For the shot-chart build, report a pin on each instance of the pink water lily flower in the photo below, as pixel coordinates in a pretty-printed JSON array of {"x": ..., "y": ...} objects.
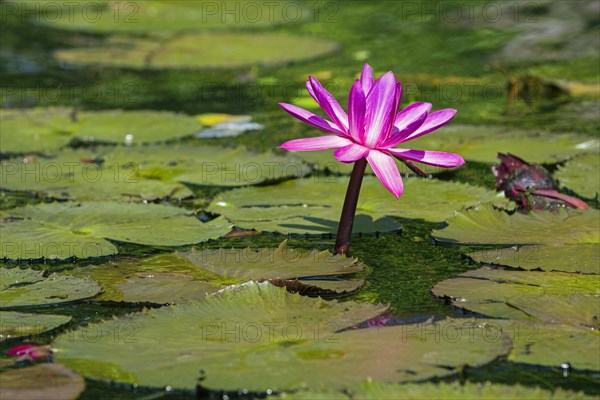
[{"x": 373, "y": 127}]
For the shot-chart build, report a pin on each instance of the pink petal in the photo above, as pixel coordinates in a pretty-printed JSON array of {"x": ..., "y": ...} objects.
[
  {"x": 312, "y": 119},
  {"x": 437, "y": 158},
  {"x": 356, "y": 111},
  {"x": 351, "y": 153},
  {"x": 434, "y": 121},
  {"x": 398, "y": 96},
  {"x": 380, "y": 114},
  {"x": 407, "y": 121},
  {"x": 316, "y": 143},
  {"x": 366, "y": 78},
  {"x": 386, "y": 170},
  {"x": 329, "y": 104}
]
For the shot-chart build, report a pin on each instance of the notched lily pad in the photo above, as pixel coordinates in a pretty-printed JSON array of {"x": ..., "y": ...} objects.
[
  {"x": 314, "y": 205},
  {"x": 581, "y": 175},
  {"x": 16, "y": 324},
  {"x": 200, "y": 50},
  {"x": 581, "y": 258},
  {"x": 41, "y": 381},
  {"x": 552, "y": 297},
  {"x": 228, "y": 334},
  {"x": 144, "y": 173},
  {"x": 185, "y": 276},
  {"x": 64, "y": 230},
  {"x": 481, "y": 143},
  {"x": 487, "y": 225},
  {"x": 48, "y": 129},
  {"x": 18, "y": 290}
]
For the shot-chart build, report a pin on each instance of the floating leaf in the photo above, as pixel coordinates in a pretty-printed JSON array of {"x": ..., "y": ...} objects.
[
  {"x": 313, "y": 205},
  {"x": 552, "y": 345},
  {"x": 568, "y": 258},
  {"x": 456, "y": 391},
  {"x": 552, "y": 297},
  {"x": 225, "y": 334},
  {"x": 86, "y": 175},
  {"x": 41, "y": 381},
  {"x": 30, "y": 288},
  {"x": 185, "y": 276},
  {"x": 16, "y": 324},
  {"x": 480, "y": 143},
  {"x": 143, "y": 173},
  {"x": 63, "y": 230},
  {"x": 581, "y": 175},
  {"x": 200, "y": 50},
  {"x": 207, "y": 165},
  {"x": 486, "y": 225},
  {"x": 48, "y": 129},
  {"x": 228, "y": 125},
  {"x": 170, "y": 16}
]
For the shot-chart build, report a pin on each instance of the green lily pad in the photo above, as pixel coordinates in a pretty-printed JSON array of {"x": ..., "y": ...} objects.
[
  {"x": 201, "y": 50},
  {"x": 581, "y": 175},
  {"x": 581, "y": 258},
  {"x": 207, "y": 165},
  {"x": 48, "y": 129},
  {"x": 223, "y": 335},
  {"x": 21, "y": 288},
  {"x": 106, "y": 16},
  {"x": 487, "y": 225},
  {"x": 314, "y": 205},
  {"x": 87, "y": 175},
  {"x": 552, "y": 345},
  {"x": 63, "y": 230},
  {"x": 41, "y": 381},
  {"x": 552, "y": 297},
  {"x": 143, "y": 173},
  {"x": 481, "y": 143},
  {"x": 185, "y": 276},
  {"x": 16, "y": 324},
  {"x": 457, "y": 391}
]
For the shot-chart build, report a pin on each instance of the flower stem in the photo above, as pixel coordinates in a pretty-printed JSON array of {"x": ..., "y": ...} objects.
[{"x": 342, "y": 243}]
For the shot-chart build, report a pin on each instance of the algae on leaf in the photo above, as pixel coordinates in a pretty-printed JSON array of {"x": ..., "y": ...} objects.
[
  {"x": 64, "y": 230},
  {"x": 258, "y": 337}
]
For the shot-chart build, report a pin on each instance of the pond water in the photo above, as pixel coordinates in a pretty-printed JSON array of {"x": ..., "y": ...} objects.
[{"x": 131, "y": 130}]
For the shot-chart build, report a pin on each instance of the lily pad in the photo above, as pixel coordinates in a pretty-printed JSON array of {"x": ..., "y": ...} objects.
[
  {"x": 42, "y": 381},
  {"x": 200, "y": 50},
  {"x": 104, "y": 16},
  {"x": 21, "y": 288},
  {"x": 207, "y": 165},
  {"x": 184, "y": 276},
  {"x": 16, "y": 324},
  {"x": 224, "y": 334},
  {"x": 314, "y": 205},
  {"x": 581, "y": 175},
  {"x": 457, "y": 391},
  {"x": 481, "y": 143},
  {"x": 64, "y": 230},
  {"x": 143, "y": 173},
  {"x": 487, "y": 225},
  {"x": 581, "y": 258},
  {"x": 87, "y": 175},
  {"x": 551, "y": 297},
  {"x": 48, "y": 129}
]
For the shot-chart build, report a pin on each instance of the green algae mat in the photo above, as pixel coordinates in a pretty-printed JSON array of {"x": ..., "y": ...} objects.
[{"x": 156, "y": 243}]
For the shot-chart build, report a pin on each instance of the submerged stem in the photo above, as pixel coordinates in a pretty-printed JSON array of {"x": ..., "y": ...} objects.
[{"x": 342, "y": 243}]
